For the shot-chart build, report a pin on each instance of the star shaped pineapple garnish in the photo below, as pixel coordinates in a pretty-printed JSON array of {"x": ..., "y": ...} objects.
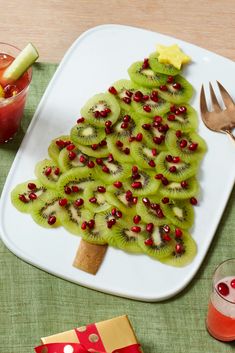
[{"x": 172, "y": 55}]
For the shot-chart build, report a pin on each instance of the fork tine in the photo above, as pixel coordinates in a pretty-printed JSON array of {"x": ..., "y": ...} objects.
[
  {"x": 203, "y": 105},
  {"x": 214, "y": 101},
  {"x": 228, "y": 101}
]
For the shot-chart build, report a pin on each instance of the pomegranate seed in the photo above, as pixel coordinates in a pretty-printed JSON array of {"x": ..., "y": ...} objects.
[
  {"x": 157, "y": 140},
  {"x": 124, "y": 125},
  {"x": 173, "y": 169},
  {"x": 151, "y": 163},
  {"x": 223, "y": 289},
  {"x": 135, "y": 176},
  {"x": 33, "y": 196},
  {"x": 170, "y": 79},
  {"x": 101, "y": 189},
  {"x": 166, "y": 237},
  {"x": 232, "y": 283},
  {"x": 132, "y": 138},
  {"x": 117, "y": 184},
  {"x": 183, "y": 143},
  {"x": 105, "y": 169},
  {"x": 119, "y": 143},
  {"x": 82, "y": 159},
  {"x": 178, "y": 233},
  {"x": 134, "y": 169},
  {"x": 169, "y": 158},
  {"x": 23, "y": 198},
  {"x": 84, "y": 225},
  {"x": 99, "y": 161},
  {"x": 159, "y": 213},
  {"x": 136, "y": 185},
  {"x": 48, "y": 171},
  {"x": 163, "y": 88},
  {"x": 149, "y": 227},
  {"x": 173, "y": 108},
  {"x": 94, "y": 146},
  {"x": 161, "y": 128},
  {"x": 146, "y": 201},
  {"x": 171, "y": 117},
  {"x": 57, "y": 171},
  {"x": 146, "y": 126},
  {"x": 70, "y": 147},
  {"x": 136, "y": 229},
  {"x": 139, "y": 137},
  {"x": 75, "y": 188},
  {"x": 31, "y": 186},
  {"x": 51, "y": 220},
  {"x": 112, "y": 90},
  {"x": 90, "y": 164},
  {"x": 178, "y": 133},
  {"x": 103, "y": 143},
  {"x": 108, "y": 123},
  {"x": 158, "y": 119},
  {"x": 67, "y": 190},
  {"x": 60, "y": 143},
  {"x": 184, "y": 184},
  {"x": 147, "y": 108},
  {"x": 154, "y": 152},
  {"x": 183, "y": 109},
  {"x": 176, "y": 85},
  {"x": 193, "y": 201},
  {"x": 80, "y": 120},
  {"x": 110, "y": 158},
  {"x": 108, "y": 130},
  {"x": 137, "y": 98},
  {"x": 96, "y": 114},
  {"x": 126, "y": 100},
  {"x": 136, "y": 219},
  {"x": 93, "y": 200},
  {"x": 145, "y": 97},
  {"x": 149, "y": 242},
  {"x": 119, "y": 214},
  {"x": 63, "y": 202},
  {"x": 193, "y": 146},
  {"x": 165, "y": 181},
  {"x": 145, "y": 64},
  {"x": 155, "y": 206},
  {"x": 113, "y": 211},
  {"x": 166, "y": 228},
  {"x": 165, "y": 200},
  {"x": 176, "y": 159},
  {"x": 154, "y": 98},
  {"x": 91, "y": 223},
  {"x": 72, "y": 155},
  {"x": 79, "y": 202},
  {"x": 126, "y": 118},
  {"x": 111, "y": 222},
  {"x": 135, "y": 200},
  {"x": 126, "y": 150},
  {"x": 129, "y": 93},
  {"x": 108, "y": 110},
  {"x": 158, "y": 176}
]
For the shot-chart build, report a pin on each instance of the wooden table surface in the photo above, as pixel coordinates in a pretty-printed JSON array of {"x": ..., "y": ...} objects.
[{"x": 53, "y": 25}]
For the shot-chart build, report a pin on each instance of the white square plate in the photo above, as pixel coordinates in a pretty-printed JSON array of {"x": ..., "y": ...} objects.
[{"x": 96, "y": 59}]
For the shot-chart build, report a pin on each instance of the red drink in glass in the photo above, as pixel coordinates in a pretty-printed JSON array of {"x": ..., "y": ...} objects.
[
  {"x": 13, "y": 102},
  {"x": 221, "y": 312}
]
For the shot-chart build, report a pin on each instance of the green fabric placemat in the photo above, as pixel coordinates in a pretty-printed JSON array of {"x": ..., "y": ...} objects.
[{"x": 34, "y": 303}]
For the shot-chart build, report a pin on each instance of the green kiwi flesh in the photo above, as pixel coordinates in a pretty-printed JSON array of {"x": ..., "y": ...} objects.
[
  {"x": 145, "y": 77},
  {"x": 166, "y": 69}
]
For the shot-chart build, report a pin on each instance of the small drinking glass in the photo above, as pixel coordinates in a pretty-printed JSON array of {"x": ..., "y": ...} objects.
[{"x": 220, "y": 320}]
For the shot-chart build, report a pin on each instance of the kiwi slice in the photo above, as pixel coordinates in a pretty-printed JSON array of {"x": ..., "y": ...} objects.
[
  {"x": 166, "y": 69},
  {"x": 146, "y": 184},
  {"x": 120, "y": 149},
  {"x": 175, "y": 190},
  {"x": 184, "y": 251},
  {"x": 125, "y": 125},
  {"x": 153, "y": 135},
  {"x": 72, "y": 158},
  {"x": 101, "y": 108},
  {"x": 179, "y": 212},
  {"x": 159, "y": 244},
  {"x": 117, "y": 197},
  {"x": 26, "y": 194},
  {"x": 145, "y": 77},
  {"x": 86, "y": 134},
  {"x": 182, "y": 117},
  {"x": 144, "y": 156},
  {"x": 111, "y": 170},
  {"x": 70, "y": 216},
  {"x": 151, "y": 103},
  {"x": 123, "y": 92},
  {"x": 57, "y": 145},
  {"x": 72, "y": 183},
  {"x": 173, "y": 168},
  {"x": 179, "y": 91},
  {"x": 151, "y": 210},
  {"x": 46, "y": 211},
  {"x": 48, "y": 172},
  {"x": 94, "y": 196},
  {"x": 193, "y": 149},
  {"x": 90, "y": 229},
  {"x": 98, "y": 150}
]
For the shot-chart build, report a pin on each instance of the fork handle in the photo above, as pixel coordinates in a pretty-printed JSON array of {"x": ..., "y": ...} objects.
[{"x": 229, "y": 133}]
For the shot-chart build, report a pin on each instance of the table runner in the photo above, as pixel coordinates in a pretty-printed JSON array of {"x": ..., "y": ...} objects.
[{"x": 34, "y": 303}]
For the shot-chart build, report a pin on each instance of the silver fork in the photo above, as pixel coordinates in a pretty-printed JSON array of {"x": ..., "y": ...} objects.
[{"x": 220, "y": 120}]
